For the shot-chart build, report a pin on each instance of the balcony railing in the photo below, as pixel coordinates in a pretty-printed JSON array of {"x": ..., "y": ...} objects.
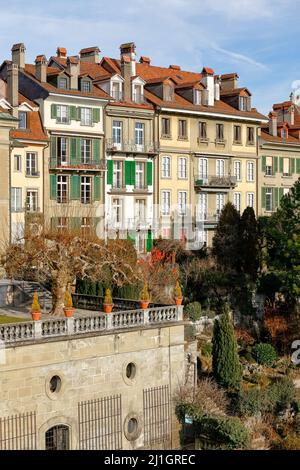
[
  {"x": 209, "y": 217},
  {"x": 77, "y": 163},
  {"x": 131, "y": 147},
  {"x": 215, "y": 181}
]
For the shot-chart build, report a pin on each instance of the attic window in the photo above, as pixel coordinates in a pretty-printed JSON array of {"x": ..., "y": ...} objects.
[
  {"x": 169, "y": 93},
  {"x": 284, "y": 133},
  {"x": 244, "y": 103},
  {"x": 22, "y": 120},
  {"x": 62, "y": 83},
  {"x": 86, "y": 86},
  {"x": 197, "y": 97}
]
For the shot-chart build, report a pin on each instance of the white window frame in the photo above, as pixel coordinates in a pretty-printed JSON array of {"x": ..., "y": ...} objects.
[
  {"x": 140, "y": 210},
  {"x": 269, "y": 197},
  {"x": 237, "y": 169},
  {"x": 140, "y": 175},
  {"x": 166, "y": 167},
  {"x": 85, "y": 189},
  {"x": 166, "y": 202},
  {"x": 220, "y": 203},
  {"x": 32, "y": 200},
  {"x": 182, "y": 168},
  {"x": 31, "y": 164},
  {"x": 202, "y": 207},
  {"x": 117, "y": 211},
  {"x": 237, "y": 201},
  {"x": 86, "y": 116},
  {"x": 220, "y": 168},
  {"x": 182, "y": 202},
  {"x": 86, "y": 150},
  {"x": 117, "y": 133},
  {"x": 117, "y": 174},
  {"x": 139, "y": 134},
  {"x": 250, "y": 200},
  {"x": 86, "y": 84},
  {"x": 65, "y": 81},
  {"x": 17, "y": 163},
  {"x": 63, "y": 114},
  {"x": 23, "y": 120},
  {"x": 62, "y": 188},
  {"x": 250, "y": 171},
  {"x": 203, "y": 168},
  {"x": 16, "y": 199}
]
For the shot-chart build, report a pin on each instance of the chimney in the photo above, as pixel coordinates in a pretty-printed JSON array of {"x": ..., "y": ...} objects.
[
  {"x": 90, "y": 54},
  {"x": 174, "y": 67},
  {"x": 41, "y": 68},
  {"x": 273, "y": 123},
  {"x": 229, "y": 81},
  {"x": 61, "y": 52},
  {"x": 18, "y": 55},
  {"x": 291, "y": 115},
  {"x": 73, "y": 68},
  {"x": 128, "y": 50},
  {"x": 145, "y": 60},
  {"x": 217, "y": 88},
  {"x": 13, "y": 87},
  {"x": 209, "y": 83}
]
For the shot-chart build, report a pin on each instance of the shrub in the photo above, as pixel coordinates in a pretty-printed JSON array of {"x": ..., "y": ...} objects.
[
  {"x": 206, "y": 349},
  {"x": 193, "y": 311},
  {"x": 244, "y": 339},
  {"x": 68, "y": 300},
  {"x": 264, "y": 354},
  {"x": 108, "y": 297},
  {"x": 280, "y": 394},
  {"x": 145, "y": 294},
  {"x": 229, "y": 431},
  {"x": 291, "y": 442},
  {"x": 35, "y": 307},
  {"x": 252, "y": 402}
]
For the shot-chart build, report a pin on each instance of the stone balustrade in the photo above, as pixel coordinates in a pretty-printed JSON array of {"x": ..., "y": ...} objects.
[{"x": 14, "y": 333}]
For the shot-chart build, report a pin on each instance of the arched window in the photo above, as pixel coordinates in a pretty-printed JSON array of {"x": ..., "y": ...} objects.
[{"x": 57, "y": 438}]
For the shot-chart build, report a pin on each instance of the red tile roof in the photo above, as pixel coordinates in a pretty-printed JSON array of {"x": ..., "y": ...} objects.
[
  {"x": 271, "y": 138},
  {"x": 35, "y": 129}
]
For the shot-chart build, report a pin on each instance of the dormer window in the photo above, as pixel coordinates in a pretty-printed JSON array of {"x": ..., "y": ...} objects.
[
  {"x": 138, "y": 96},
  {"x": 284, "y": 133},
  {"x": 244, "y": 103},
  {"x": 62, "y": 83},
  {"x": 86, "y": 86},
  {"x": 169, "y": 93},
  {"x": 197, "y": 97},
  {"x": 22, "y": 120},
  {"x": 116, "y": 91}
]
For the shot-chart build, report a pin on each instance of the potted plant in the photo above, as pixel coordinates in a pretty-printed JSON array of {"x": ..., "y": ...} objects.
[
  {"x": 145, "y": 297},
  {"x": 68, "y": 304},
  {"x": 108, "y": 303},
  {"x": 35, "y": 308},
  {"x": 178, "y": 294}
]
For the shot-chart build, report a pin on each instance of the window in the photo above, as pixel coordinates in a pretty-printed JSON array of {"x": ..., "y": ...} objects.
[
  {"x": 165, "y": 127},
  {"x": 86, "y": 190},
  {"x": 250, "y": 171},
  {"x": 117, "y": 132},
  {"x": 286, "y": 191},
  {"x": 220, "y": 202},
  {"x": 220, "y": 131},
  {"x": 250, "y": 135},
  {"x": 62, "y": 223},
  {"x": 32, "y": 200},
  {"x": 168, "y": 93},
  {"x": 62, "y": 150},
  {"x": 31, "y": 164},
  {"x": 16, "y": 199},
  {"x": 166, "y": 167},
  {"x": 269, "y": 166},
  {"x": 250, "y": 200},
  {"x": 140, "y": 210},
  {"x": 116, "y": 91},
  {"x": 182, "y": 167},
  {"x": 140, "y": 175},
  {"x": 86, "y": 116},
  {"x": 57, "y": 438},
  {"x": 139, "y": 133},
  {"x": 203, "y": 168},
  {"x": 117, "y": 210},
  {"x": 86, "y": 225},
  {"x": 237, "y": 134},
  {"x": 182, "y": 201},
  {"x": 286, "y": 167},
  {"x": 63, "y": 83},
  {"x": 62, "y": 189},
  {"x": 202, "y": 130},
  {"x": 86, "y": 154},
  {"x": 220, "y": 168},
  {"x": 197, "y": 97},
  {"x": 138, "y": 94},
  {"x": 166, "y": 202},
  {"x": 237, "y": 201},
  {"x": 202, "y": 207},
  {"x": 237, "y": 170},
  {"x": 117, "y": 174},
  {"x": 182, "y": 129},
  {"x": 63, "y": 114},
  {"x": 244, "y": 103},
  {"x": 284, "y": 133},
  {"x": 22, "y": 120},
  {"x": 17, "y": 163},
  {"x": 86, "y": 86},
  {"x": 269, "y": 199}
]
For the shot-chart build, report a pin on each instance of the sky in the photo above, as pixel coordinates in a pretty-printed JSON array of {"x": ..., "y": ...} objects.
[{"x": 258, "y": 39}]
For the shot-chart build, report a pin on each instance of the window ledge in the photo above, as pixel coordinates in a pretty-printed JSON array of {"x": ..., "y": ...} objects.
[
  {"x": 287, "y": 176},
  {"x": 250, "y": 144},
  {"x": 269, "y": 176},
  {"x": 166, "y": 136},
  {"x": 182, "y": 138},
  {"x": 237, "y": 142}
]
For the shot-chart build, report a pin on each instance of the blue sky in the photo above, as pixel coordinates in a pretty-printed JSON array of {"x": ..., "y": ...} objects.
[{"x": 259, "y": 39}]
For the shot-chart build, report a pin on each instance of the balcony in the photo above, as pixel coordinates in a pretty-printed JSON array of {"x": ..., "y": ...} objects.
[
  {"x": 209, "y": 218},
  {"x": 72, "y": 164},
  {"x": 131, "y": 147},
  {"x": 214, "y": 181}
]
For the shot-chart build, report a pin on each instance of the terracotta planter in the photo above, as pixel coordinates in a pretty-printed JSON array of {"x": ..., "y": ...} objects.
[
  {"x": 144, "y": 304},
  {"x": 178, "y": 300},
  {"x": 69, "y": 312},
  {"x": 36, "y": 316},
  {"x": 108, "y": 308}
]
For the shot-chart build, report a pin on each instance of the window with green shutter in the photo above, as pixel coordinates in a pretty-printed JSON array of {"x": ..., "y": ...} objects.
[
  {"x": 53, "y": 111},
  {"x": 75, "y": 187},
  {"x": 281, "y": 165},
  {"x": 96, "y": 114},
  {"x": 73, "y": 151},
  {"x": 75, "y": 223},
  {"x": 97, "y": 195},
  {"x": 128, "y": 173},
  {"x": 96, "y": 150},
  {"x": 263, "y": 163},
  {"x": 292, "y": 163},
  {"x": 263, "y": 198},
  {"x": 275, "y": 164},
  {"x": 78, "y": 150},
  {"x": 149, "y": 242},
  {"x": 280, "y": 194},
  {"x": 149, "y": 173},
  {"x": 78, "y": 114},
  {"x": 275, "y": 197},
  {"x": 73, "y": 112},
  {"x": 132, "y": 173},
  {"x": 298, "y": 166},
  {"x": 109, "y": 178},
  {"x": 53, "y": 147},
  {"x": 53, "y": 187}
]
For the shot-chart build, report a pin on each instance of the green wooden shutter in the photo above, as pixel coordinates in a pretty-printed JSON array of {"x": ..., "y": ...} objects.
[
  {"x": 132, "y": 173},
  {"x": 149, "y": 241},
  {"x": 109, "y": 177},
  {"x": 54, "y": 223},
  {"x": 78, "y": 114},
  {"x": 280, "y": 194},
  {"x": 149, "y": 173},
  {"x": 97, "y": 188},
  {"x": 52, "y": 186},
  {"x": 263, "y": 198},
  {"x": 96, "y": 150},
  {"x": 73, "y": 147},
  {"x": 275, "y": 164},
  {"x": 75, "y": 223},
  {"x": 78, "y": 150},
  {"x": 292, "y": 165},
  {"x": 53, "y": 151},
  {"x": 75, "y": 187},
  {"x": 73, "y": 112},
  {"x": 96, "y": 114},
  {"x": 127, "y": 173},
  {"x": 263, "y": 163},
  {"x": 298, "y": 166},
  {"x": 275, "y": 197},
  {"x": 53, "y": 111},
  {"x": 281, "y": 164}
]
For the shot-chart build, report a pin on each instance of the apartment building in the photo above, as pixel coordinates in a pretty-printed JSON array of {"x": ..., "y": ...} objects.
[{"x": 279, "y": 153}]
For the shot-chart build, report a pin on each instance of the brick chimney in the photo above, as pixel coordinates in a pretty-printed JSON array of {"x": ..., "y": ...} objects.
[
  {"x": 145, "y": 60},
  {"x": 128, "y": 50},
  {"x": 61, "y": 52},
  {"x": 13, "y": 87},
  {"x": 41, "y": 68},
  {"x": 18, "y": 55},
  {"x": 73, "y": 68},
  {"x": 128, "y": 67},
  {"x": 209, "y": 83},
  {"x": 273, "y": 123},
  {"x": 90, "y": 54},
  {"x": 229, "y": 81}
]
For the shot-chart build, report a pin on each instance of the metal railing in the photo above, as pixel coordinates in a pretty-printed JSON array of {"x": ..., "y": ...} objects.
[
  {"x": 77, "y": 163},
  {"x": 215, "y": 181},
  {"x": 131, "y": 146}
]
